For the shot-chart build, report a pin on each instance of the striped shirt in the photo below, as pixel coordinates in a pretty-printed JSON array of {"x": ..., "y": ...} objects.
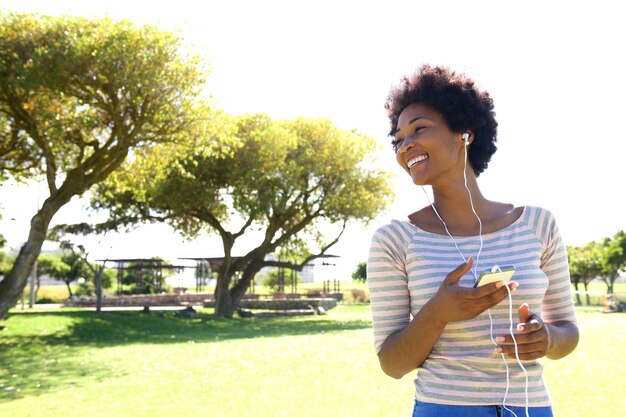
[{"x": 405, "y": 268}]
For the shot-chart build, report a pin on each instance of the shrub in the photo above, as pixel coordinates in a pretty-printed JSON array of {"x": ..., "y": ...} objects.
[
  {"x": 359, "y": 296},
  {"x": 271, "y": 280},
  {"x": 314, "y": 293}
]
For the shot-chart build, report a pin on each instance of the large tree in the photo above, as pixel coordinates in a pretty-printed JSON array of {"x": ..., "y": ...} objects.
[
  {"x": 76, "y": 96},
  {"x": 295, "y": 184}
]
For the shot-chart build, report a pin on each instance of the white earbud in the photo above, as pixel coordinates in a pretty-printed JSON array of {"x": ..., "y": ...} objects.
[{"x": 465, "y": 137}]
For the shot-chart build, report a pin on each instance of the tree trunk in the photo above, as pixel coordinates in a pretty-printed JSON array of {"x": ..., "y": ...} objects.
[
  {"x": 69, "y": 288},
  {"x": 586, "y": 284},
  {"x": 240, "y": 288},
  {"x": 98, "y": 279},
  {"x": 37, "y": 285},
  {"x": 612, "y": 279},
  {"x": 224, "y": 306},
  {"x": 13, "y": 284},
  {"x": 578, "y": 302}
]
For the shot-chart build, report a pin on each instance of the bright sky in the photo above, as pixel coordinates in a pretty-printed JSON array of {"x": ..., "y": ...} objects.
[{"x": 554, "y": 69}]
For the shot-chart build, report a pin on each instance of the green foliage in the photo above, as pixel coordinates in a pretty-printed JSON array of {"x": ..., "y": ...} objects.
[
  {"x": 613, "y": 258},
  {"x": 57, "y": 266},
  {"x": 74, "y": 89},
  {"x": 3, "y": 241},
  {"x": 6, "y": 263},
  {"x": 271, "y": 280},
  {"x": 70, "y": 267},
  {"x": 276, "y": 174},
  {"x": 585, "y": 264},
  {"x": 87, "y": 287},
  {"x": 77, "y": 96},
  {"x": 294, "y": 181},
  {"x": 360, "y": 274},
  {"x": 605, "y": 259}
]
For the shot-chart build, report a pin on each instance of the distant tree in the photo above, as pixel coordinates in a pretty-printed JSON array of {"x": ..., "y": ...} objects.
[
  {"x": 54, "y": 266},
  {"x": 76, "y": 97},
  {"x": 585, "y": 265},
  {"x": 360, "y": 274},
  {"x": 613, "y": 258},
  {"x": 88, "y": 286},
  {"x": 68, "y": 267},
  {"x": 293, "y": 183}
]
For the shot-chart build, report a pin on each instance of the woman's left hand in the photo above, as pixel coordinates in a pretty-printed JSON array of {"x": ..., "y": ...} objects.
[{"x": 532, "y": 337}]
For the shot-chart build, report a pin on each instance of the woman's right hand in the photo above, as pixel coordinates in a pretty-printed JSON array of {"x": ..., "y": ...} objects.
[{"x": 454, "y": 302}]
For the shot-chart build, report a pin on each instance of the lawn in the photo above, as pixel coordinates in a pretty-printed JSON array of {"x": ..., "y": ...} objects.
[{"x": 76, "y": 363}]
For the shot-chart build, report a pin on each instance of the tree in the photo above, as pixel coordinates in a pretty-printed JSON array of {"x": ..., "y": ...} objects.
[
  {"x": 360, "y": 274},
  {"x": 292, "y": 183},
  {"x": 585, "y": 265},
  {"x": 56, "y": 267},
  {"x": 70, "y": 266},
  {"x": 76, "y": 97},
  {"x": 613, "y": 258}
]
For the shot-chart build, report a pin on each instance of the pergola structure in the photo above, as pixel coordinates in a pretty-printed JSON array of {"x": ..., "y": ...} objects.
[
  {"x": 292, "y": 281},
  {"x": 205, "y": 267},
  {"x": 140, "y": 268}
]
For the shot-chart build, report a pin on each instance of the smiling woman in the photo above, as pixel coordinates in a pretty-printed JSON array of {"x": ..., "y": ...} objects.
[{"x": 428, "y": 314}]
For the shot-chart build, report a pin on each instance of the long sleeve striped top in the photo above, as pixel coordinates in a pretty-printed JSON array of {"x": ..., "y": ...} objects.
[{"x": 405, "y": 268}]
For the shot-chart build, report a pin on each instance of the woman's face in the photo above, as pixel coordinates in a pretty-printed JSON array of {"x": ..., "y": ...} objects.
[{"x": 426, "y": 147}]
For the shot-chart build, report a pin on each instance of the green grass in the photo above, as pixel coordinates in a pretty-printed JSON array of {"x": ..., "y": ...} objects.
[{"x": 75, "y": 363}]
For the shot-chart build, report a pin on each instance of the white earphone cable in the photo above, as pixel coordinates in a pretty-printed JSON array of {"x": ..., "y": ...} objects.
[{"x": 480, "y": 236}]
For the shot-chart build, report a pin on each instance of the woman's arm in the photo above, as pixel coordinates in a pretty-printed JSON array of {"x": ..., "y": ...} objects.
[{"x": 406, "y": 349}]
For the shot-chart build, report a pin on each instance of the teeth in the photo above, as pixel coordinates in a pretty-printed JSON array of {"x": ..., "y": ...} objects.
[{"x": 416, "y": 160}]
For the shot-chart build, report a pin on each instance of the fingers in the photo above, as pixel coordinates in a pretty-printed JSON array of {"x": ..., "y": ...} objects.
[
  {"x": 495, "y": 286},
  {"x": 529, "y": 333},
  {"x": 532, "y": 339},
  {"x": 493, "y": 294},
  {"x": 531, "y": 326},
  {"x": 527, "y": 351},
  {"x": 524, "y": 313}
]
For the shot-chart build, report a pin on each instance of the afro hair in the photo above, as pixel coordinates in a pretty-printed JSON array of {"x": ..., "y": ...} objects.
[{"x": 456, "y": 97}]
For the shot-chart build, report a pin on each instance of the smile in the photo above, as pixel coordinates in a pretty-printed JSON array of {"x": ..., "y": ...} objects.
[{"x": 414, "y": 161}]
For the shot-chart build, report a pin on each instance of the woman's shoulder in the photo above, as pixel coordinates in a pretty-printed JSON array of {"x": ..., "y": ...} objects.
[
  {"x": 395, "y": 227},
  {"x": 538, "y": 213},
  {"x": 541, "y": 221},
  {"x": 399, "y": 232}
]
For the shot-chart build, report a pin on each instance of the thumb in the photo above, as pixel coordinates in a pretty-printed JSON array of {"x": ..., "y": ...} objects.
[
  {"x": 458, "y": 273},
  {"x": 524, "y": 313}
]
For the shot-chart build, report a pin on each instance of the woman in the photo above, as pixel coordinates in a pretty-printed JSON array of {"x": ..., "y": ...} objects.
[{"x": 427, "y": 314}]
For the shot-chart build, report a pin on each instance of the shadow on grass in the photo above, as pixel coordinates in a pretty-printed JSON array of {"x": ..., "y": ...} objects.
[
  {"x": 127, "y": 327},
  {"x": 47, "y": 351}
]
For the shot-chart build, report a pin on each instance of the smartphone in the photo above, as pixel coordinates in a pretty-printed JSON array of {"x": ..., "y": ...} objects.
[{"x": 495, "y": 274}]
